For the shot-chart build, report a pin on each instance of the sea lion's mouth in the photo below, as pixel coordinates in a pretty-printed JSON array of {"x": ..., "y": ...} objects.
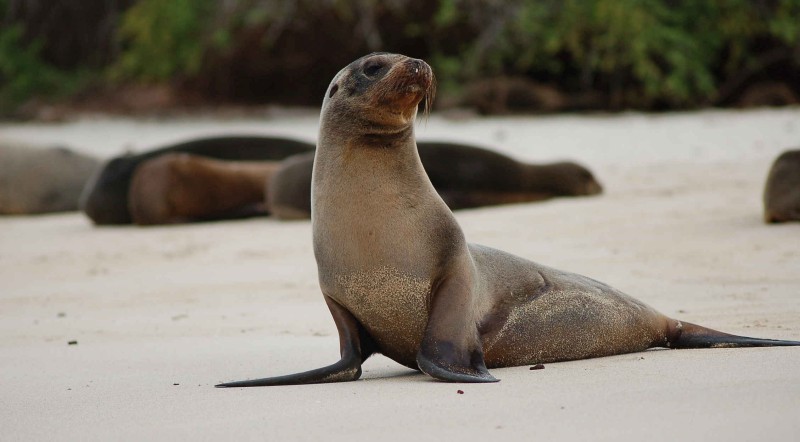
[{"x": 420, "y": 82}]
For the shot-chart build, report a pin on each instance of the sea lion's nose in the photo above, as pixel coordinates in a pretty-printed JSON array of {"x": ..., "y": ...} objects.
[{"x": 416, "y": 65}]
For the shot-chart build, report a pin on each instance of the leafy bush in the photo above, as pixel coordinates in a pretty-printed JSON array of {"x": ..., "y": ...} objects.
[
  {"x": 161, "y": 39},
  {"x": 639, "y": 53},
  {"x": 24, "y": 75}
]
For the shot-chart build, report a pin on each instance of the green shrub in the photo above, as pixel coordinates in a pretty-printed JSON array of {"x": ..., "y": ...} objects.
[
  {"x": 23, "y": 75},
  {"x": 639, "y": 53},
  {"x": 162, "y": 39}
]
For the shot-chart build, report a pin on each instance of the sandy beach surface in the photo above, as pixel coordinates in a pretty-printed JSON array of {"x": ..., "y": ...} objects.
[{"x": 162, "y": 314}]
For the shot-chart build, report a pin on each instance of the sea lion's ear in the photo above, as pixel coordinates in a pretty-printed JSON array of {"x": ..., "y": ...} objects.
[
  {"x": 334, "y": 88},
  {"x": 451, "y": 348}
]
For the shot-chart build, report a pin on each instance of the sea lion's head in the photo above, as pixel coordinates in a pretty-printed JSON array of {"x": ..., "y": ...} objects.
[
  {"x": 378, "y": 94},
  {"x": 564, "y": 179}
]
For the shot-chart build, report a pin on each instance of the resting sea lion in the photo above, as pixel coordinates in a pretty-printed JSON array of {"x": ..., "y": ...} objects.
[
  {"x": 782, "y": 191},
  {"x": 288, "y": 191},
  {"x": 35, "y": 180},
  {"x": 464, "y": 176},
  {"x": 180, "y": 187},
  {"x": 105, "y": 197},
  {"x": 400, "y": 279},
  {"x": 469, "y": 176}
]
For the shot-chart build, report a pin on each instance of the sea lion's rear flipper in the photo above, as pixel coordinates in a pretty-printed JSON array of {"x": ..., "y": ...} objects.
[
  {"x": 688, "y": 335},
  {"x": 355, "y": 346},
  {"x": 451, "y": 349}
]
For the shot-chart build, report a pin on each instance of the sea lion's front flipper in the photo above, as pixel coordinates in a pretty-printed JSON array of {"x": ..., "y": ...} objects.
[
  {"x": 451, "y": 349},
  {"x": 355, "y": 346}
]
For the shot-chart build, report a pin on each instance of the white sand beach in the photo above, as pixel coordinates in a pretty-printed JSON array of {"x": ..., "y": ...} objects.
[{"x": 161, "y": 314}]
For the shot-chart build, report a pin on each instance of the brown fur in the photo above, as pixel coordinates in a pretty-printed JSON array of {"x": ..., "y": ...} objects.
[
  {"x": 782, "y": 190},
  {"x": 289, "y": 190},
  {"x": 175, "y": 188}
]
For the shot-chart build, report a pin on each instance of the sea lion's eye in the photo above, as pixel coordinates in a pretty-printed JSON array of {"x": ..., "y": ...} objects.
[
  {"x": 372, "y": 68},
  {"x": 334, "y": 88}
]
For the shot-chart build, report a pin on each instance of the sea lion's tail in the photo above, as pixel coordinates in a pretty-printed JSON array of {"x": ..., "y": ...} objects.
[{"x": 687, "y": 335}]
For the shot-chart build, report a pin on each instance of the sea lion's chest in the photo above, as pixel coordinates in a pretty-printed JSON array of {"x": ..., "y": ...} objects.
[
  {"x": 378, "y": 232},
  {"x": 390, "y": 303}
]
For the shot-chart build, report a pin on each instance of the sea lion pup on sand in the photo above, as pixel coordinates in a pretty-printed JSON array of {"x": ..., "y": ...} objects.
[
  {"x": 464, "y": 176},
  {"x": 400, "y": 279},
  {"x": 181, "y": 187},
  {"x": 37, "y": 179},
  {"x": 105, "y": 197},
  {"x": 782, "y": 191}
]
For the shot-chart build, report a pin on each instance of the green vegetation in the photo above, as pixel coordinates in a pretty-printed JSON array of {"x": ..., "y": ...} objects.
[
  {"x": 638, "y": 52},
  {"x": 23, "y": 74},
  {"x": 644, "y": 54},
  {"x": 162, "y": 39}
]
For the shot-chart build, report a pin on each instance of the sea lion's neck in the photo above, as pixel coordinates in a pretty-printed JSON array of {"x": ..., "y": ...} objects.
[
  {"x": 391, "y": 138},
  {"x": 370, "y": 197},
  {"x": 347, "y": 129},
  {"x": 366, "y": 161},
  {"x": 367, "y": 171},
  {"x": 362, "y": 145}
]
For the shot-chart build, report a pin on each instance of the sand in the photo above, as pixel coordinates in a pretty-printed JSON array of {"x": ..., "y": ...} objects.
[{"x": 162, "y": 314}]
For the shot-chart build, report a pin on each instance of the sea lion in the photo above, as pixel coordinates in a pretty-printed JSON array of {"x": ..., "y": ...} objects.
[
  {"x": 37, "y": 179},
  {"x": 288, "y": 192},
  {"x": 105, "y": 197},
  {"x": 470, "y": 176},
  {"x": 464, "y": 176},
  {"x": 181, "y": 187},
  {"x": 782, "y": 190},
  {"x": 400, "y": 279}
]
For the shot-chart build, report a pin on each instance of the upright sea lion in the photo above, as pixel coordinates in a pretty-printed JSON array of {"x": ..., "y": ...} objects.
[
  {"x": 105, "y": 197},
  {"x": 180, "y": 187},
  {"x": 464, "y": 176},
  {"x": 400, "y": 279},
  {"x": 782, "y": 191},
  {"x": 37, "y": 179}
]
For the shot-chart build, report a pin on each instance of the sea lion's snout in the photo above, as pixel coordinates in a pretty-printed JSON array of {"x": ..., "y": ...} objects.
[
  {"x": 421, "y": 72},
  {"x": 594, "y": 188},
  {"x": 419, "y": 79},
  {"x": 397, "y": 83},
  {"x": 417, "y": 66}
]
